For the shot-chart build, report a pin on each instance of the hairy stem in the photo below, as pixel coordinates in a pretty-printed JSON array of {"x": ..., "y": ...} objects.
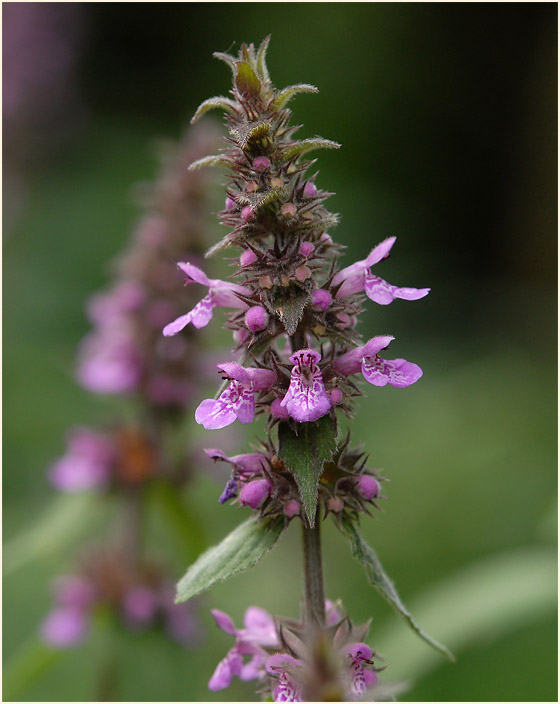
[{"x": 313, "y": 575}]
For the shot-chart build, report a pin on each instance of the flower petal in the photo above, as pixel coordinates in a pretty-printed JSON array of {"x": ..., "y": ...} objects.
[
  {"x": 228, "y": 667},
  {"x": 396, "y": 372},
  {"x": 244, "y": 403},
  {"x": 382, "y": 292},
  {"x": 194, "y": 273},
  {"x": 214, "y": 414},
  {"x": 224, "y": 622}
]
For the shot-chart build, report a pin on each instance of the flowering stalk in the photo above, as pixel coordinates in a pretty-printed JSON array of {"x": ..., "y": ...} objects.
[
  {"x": 125, "y": 356},
  {"x": 294, "y": 315}
]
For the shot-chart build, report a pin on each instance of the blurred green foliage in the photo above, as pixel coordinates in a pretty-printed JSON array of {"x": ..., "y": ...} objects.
[{"x": 447, "y": 117}]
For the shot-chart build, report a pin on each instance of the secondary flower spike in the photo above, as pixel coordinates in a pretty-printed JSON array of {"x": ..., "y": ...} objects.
[
  {"x": 378, "y": 371},
  {"x": 307, "y": 399},
  {"x": 238, "y": 400},
  {"x": 358, "y": 277},
  {"x": 220, "y": 294}
]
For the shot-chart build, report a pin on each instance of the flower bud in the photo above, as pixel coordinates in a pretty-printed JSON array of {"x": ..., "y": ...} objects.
[
  {"x": 335, "y": 503},
  {"x": 254, "y": 493},
  {"x": 247, "y": 258},
  {"x": 288, "y": 210},
  {"x": 247, "y": 213},
  {"x": 343, "y": 321},
  {"x": 276, "y": 182},
  {"x": 310, "y": 190},
  {"x": 261, "y": 163},
  {"x": 302, "y": 273},
  {"x": 240, "y": 335},
  {"x": 278, "y": 411},
  {"x": 139, "y": 605},
  {"x": 321, "y": 298},
  {"x": 368, "y": 486},
  {"x": 306, "y": 249},
  {"x": 265, "y": 282},
  {"x": 251, "y": 187},
  {"x": 230, "y": 203},
  {"x": 256, "y": 318},
  {"x": 326, "y": 238},
  {"x": 335, "y": 396},
  {"x": 291, "y": 508}
]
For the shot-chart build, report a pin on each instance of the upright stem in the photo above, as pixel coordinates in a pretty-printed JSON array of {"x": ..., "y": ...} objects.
[{"x": 313, "y": 575}]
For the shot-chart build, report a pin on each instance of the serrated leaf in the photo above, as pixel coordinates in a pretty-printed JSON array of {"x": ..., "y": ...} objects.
[
  {"x": 246, "y": 80},
  {"x": 286, "y": 94},
  {"x": 307, "y": 145},
  {"x": 261, "y": 59},
  {"x": 218, "y": 102},
  {"x": 367, "y": 556},
  {"x": 305, "y": 454},
  {"x": 241, "y": 549},
  {"x": 213, "y": 160},
  {"x": 289, "y": 305}
]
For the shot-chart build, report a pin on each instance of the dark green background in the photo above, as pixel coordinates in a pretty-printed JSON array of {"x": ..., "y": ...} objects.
[{"x": 447, "y": 117}]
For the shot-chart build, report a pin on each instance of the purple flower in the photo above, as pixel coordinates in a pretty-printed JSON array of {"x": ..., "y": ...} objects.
[
  {"x": 360, "y": 678},
  {"x": 259, "y": 633},
  {"x": 358, "y": 277},
  {"x": 139, "y": 605},
  {"x": 64, "y": 627},
  {"x": 220, "y": 294},
  {"x": 109, "y": 361},
  {"x": 378, "y": 371},
  {"x": 238, "y": 400},
  {"x": 285, "y": 667},
  {"x": 86, "y": 464},
  {"x": 307, "y": 399}
]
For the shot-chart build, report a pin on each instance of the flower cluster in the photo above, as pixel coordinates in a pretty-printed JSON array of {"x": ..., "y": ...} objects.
[
  {"x": 140, "y": 595},
  {"x": 285, "y": 665},
  {"x": 261, "y": 481},
  {"x": 125, "y": 354}
]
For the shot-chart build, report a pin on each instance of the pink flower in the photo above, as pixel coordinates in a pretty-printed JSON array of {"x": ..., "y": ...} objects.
[
  {"x": 64, "y": 627},
  {"x": 259, "y": 633},
  {"x": 255, "y": 492},
  {"x": 360, "y": 678},
  {"x": 87, "y": 463},
  {"x": 307, "y": 399},
  {"x": 378, "y": 371},
  {"x": 285, "y": 667},
  {"x": 358, "y": 277},
  {"x": 220, "y": 294},
  {"x": 238, "y": 400}
]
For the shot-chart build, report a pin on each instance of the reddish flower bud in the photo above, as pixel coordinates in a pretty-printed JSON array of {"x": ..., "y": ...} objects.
[
  {"x": 288, "y": 210},
  {"x": 230, "y": 203},
  {"x": 335, "y": 396},
  {"x": 335, "y": 503},
  {"x": 247, "y": 213},
  {"x": 306, "y": 249},
  {"x": 256, "y": 318},
  {"x": 310, "y": 190},
  {"x": 278, "y": 411},
  {"x": 291, "y": 508},
  {"x": 261, "y": 163},
  {"x": 321, "y": 298},
  {"x": 247, "y": 258},
  {"x": 302, "y": 273},
  {"x": 368, "y": 486}
]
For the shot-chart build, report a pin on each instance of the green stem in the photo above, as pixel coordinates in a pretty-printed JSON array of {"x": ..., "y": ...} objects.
[{"x": 313, "y": 576}]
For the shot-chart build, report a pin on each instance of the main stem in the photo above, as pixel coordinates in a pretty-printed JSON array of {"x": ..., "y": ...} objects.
[{"x": 313, "y": 576}]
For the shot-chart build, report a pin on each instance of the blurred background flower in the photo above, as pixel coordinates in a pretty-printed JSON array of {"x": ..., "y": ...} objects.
[{"x": 447, "y": 117}]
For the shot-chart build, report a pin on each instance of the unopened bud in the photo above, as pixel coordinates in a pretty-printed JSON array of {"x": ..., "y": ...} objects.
[
  {"x": 302, "y": 273},
  {"x": 230, "y": 203},
  {"x": 321, "y": 298},
  {"x": 251, "y": 187},
  {"x": 261, "y": 163},
  {"x": 288, "y": 210},
  {"x": 278, "y": 411},
  {"x": 343, "y": 321},
  {"x": 368, "y": 486},
  {"x": 256, "y": 318},
  {"x": 335, "y": 503},
  {"x": 306, "y": 249},
  {"x": 247, "y": 213},
  {"x": 310, "y": 190},
  {"x": 265, "y": 282},
  {"x": 335, "y": 396},
  {"x": 254, "y": 493},
  {"x": 291, "y": 508},
  {"x": 326, "y": 238},
  {"x": 247, "y": 258},
  {"x": 240, "y": 335},
  {"x": 276, "y": 182}
]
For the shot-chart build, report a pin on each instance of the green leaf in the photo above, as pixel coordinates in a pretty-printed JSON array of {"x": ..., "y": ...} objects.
[
  {"x": 246, "y": 80},
  {"x": 218, "y": 102},
  {"x": 307, "y": 145},
  {"x": 241, "y": 549},
  {"x": 289, "y": 305},
  {"x": 374, "y": 569},
  {"x": 27, "y": 666},
  {"x": 286, "y": 94},
  {"x": 214, "y": 160},
  {"x": 226, "y": 58},
  {"x": 261, "y": 60},
  {"x": 305, "y": 454}
]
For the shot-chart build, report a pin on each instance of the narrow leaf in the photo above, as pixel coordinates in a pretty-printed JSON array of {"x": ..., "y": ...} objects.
[
  {"x": 214, "y": 160},
  {"x": 246, "y": 80},
  {"x": 307, "y": 145},
  {"x": 286, "y": 94},
  {"x": 377, "y": 576},
  {"x": 218, "y": 102},
  {"x": 261, "y": 60},
  {"x": 305, "y": 454},
  {"x": 226, "y": 58},
  {"x": 241, "y": 549}
]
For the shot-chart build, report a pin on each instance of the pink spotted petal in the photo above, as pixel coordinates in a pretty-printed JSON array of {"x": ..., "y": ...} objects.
[
  {"x": 384, "y": 293},
  {"x": 235, "y": 371},
  {"x": 244, "y": 405},
  {"x": 396, "y": 372},
  {"x": 223, "y": 674},
  {"x": 214, "y": 414},
  {"x": 261, "y": 378},
  {"x": 199, "y": 316}
]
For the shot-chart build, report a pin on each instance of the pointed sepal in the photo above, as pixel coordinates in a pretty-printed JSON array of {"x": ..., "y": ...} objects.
[
  {"x": 213, "y": 160},
  {"x": 283, "y": 96},
  {"x": 307, "y": 145},
  {"x": 218, "y": 102}
]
